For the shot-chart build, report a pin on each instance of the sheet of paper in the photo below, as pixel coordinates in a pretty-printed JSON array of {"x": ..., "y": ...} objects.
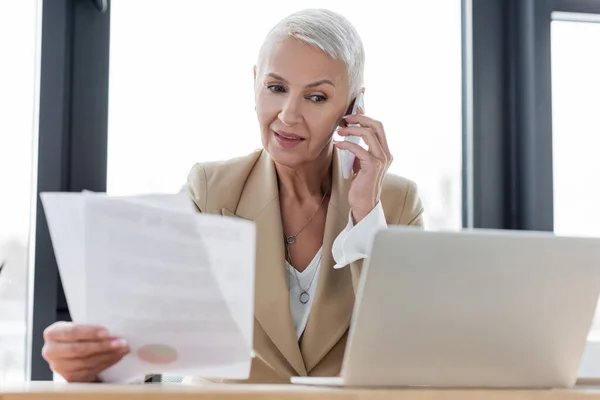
[
  {"x": 229, "y": 249},
  {"x": 179, "y": 202},
  {"x": 64, "y": 214},
  {"x": 165, "y": 278}
]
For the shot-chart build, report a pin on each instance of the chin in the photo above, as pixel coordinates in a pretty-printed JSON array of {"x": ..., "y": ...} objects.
[{"x": 290, "y": 159}]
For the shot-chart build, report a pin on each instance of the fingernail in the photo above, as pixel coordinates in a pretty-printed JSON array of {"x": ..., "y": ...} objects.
[
  {"x": 117, "y": 343},
  {"x": 103, "y": 334}
]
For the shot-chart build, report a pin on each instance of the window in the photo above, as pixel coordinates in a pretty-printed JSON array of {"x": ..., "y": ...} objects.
[
  {"x": 576, "y": 131},
  {"x": 576, "y": 142},
  {"x": 576, "y": 127},
  {"x": 181, "y": 89},
  {"x": 18, "y": 37}
]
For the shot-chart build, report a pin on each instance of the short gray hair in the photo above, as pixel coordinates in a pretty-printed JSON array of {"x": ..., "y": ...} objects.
[{"x": 327, "y": 31}]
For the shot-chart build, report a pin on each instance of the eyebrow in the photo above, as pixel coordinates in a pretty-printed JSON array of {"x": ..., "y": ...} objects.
[{"x": 310, "y": 85}]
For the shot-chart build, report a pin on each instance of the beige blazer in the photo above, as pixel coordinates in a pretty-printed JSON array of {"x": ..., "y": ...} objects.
[{"x": 247, "y": 188}]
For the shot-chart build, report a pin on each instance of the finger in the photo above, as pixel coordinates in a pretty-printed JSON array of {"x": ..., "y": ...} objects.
[
  {"x": 66, "y": 351},
  {"x": 95, "y": 364},
  {"x": 104, "y": 363},
  {"x": 366, "y": 160},
  {"x": 368, "y": 136},
  {"x": 343, "y": 124},
  {"x": 87, "y": 369},
  {"x": 368, "y": 122},
  {"x": 69, "y": 332},
  {"x": 81, "y": 376},
  {"x": 364, "y": 155}
]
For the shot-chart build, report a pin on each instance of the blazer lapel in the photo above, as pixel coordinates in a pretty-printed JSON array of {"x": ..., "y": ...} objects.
[
  {"x": 259, "y": 202},
  {"x": 331, "y": 310}
]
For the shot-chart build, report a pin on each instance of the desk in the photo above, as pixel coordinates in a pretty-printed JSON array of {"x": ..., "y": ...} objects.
[{"x": 50, "y": 391}]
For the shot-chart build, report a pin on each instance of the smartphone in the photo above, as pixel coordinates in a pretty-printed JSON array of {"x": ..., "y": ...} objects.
[{"x": 347, "y": 158}]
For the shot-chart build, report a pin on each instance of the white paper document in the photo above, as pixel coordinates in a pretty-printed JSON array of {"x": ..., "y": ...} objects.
[{"x": 177, "y": 285}]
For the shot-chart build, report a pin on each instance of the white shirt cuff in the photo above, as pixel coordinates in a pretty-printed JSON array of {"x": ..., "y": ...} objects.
[{"x": 354, "y": 242}]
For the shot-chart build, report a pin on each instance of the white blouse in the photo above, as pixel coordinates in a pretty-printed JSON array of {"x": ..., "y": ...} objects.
[{"x": 352, "y": 244}]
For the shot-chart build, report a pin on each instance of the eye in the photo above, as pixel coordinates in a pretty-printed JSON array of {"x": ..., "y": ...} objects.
[
  {"x": 276, "y": 88},
  {"x": 317, "y": 98}
]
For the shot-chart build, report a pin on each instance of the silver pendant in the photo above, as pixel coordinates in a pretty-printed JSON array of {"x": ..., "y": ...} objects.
[
  {"x": 290, "y": 239},
  {"x": 304, "y": 297}
]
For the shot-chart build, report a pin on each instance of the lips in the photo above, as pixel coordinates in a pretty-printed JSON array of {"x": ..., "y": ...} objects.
[
  {"x": 288, "y": 135},
  {"x": 287, "y": 140}
]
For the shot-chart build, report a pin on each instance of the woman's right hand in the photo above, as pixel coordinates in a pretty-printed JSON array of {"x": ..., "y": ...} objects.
[{"x": 80, "y": 352}]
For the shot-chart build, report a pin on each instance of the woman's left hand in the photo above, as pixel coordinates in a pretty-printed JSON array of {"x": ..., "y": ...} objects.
[{"x": 370, "y": 165}]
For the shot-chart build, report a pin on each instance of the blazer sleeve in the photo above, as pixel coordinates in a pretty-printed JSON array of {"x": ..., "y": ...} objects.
[
  {"x": 412, "y": 209},
  {"x": 196, "y": 186}
]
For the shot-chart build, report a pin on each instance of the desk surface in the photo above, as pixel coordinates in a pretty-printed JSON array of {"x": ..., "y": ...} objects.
[{"x": 50, "y": 391}]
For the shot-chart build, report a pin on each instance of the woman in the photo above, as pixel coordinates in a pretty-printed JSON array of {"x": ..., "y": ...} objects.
[{"x": 308, "y": 217}]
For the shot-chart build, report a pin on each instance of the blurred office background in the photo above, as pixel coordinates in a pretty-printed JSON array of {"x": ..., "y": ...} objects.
[{"x": 491, "y": 106}]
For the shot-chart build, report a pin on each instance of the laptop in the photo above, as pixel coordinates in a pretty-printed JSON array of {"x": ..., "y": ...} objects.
[{"x": 479, "y": 308}]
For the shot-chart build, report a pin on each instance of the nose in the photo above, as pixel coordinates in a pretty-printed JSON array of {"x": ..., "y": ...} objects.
[{"x": 291, "y": 112}]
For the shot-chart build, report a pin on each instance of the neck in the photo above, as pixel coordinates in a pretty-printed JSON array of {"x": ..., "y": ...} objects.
[{"x": 307, "y": 180}]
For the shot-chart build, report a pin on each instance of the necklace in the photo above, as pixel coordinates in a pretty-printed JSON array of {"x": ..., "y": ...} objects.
[
  {"x": 291, "y": 239},
  {"x": 304, "y": 296}
]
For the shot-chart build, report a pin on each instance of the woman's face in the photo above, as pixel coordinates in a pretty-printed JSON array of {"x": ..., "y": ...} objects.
[{"x": 301, "y": 93}]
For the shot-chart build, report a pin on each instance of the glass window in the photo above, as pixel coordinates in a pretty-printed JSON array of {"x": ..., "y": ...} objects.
[
  {"x": 576, "y": 131},
  {"x": 181, "y": 89},
  {"x": 18, "y": 34}
]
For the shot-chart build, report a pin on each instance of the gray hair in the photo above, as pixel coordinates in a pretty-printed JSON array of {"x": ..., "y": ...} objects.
[{"x": 327, "y": 31}]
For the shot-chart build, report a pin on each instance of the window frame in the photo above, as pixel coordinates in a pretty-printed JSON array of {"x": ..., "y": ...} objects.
[
  {"x": 73, "y": 118},
  {"x": 508, "y": 111},
  {"x": 508, "y": 93}
]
